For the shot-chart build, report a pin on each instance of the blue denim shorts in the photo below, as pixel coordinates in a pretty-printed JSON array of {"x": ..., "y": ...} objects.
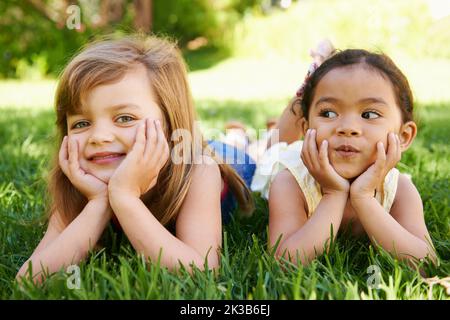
[{"x": 242, "y": 164}]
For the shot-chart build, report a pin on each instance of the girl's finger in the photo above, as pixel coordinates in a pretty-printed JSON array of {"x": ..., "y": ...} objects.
[
  {"x": 162, "y": 146},
  {"x": 69, "y": 147},
  {"x": 139, "y": 144},
  {"x": 313, "y": 151},
  {"x": 166, "y": 151},
  {"x": 158, "y": 130},
  {"x": 305, "y": 152},
  {"x": 63, "y": 156},
  {"x": 391, "y": 145},
  {"x": 73, "y": 154},
  {"x": 159, "y": 137},
  {"x": 151, "y": 138},
  {"x": 381, "y": 158},
  {"x": 392, "y": 150},
  {"x": 399, "y": 150},
  {"x": 152, "y": 134},
  {"x": 323, "y": 155}
]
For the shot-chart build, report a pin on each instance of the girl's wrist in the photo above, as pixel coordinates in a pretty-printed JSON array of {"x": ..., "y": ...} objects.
[
  {"x": 336, "y": 195},
  {"x": 103, "y": 199},
  {"x": 121, "y": 192},
  {"x": 101, "y": 204},
  {"x": 361, "y": 196},
  {"x": 117, "y": 196},
  {"x": 362, "y": 192},
  {"x": 337, "y": 192}
]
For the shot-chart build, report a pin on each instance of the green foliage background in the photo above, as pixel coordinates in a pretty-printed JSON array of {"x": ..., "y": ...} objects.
[{"x": 28, "y": 40}]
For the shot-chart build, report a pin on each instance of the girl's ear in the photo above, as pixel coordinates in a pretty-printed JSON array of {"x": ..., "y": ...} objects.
[
  {"x": 408, "y": 132},
  {"x": 304, "y": 125}
]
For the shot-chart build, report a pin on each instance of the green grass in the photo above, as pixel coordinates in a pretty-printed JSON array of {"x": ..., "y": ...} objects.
[{"x": 248, "y": 271}]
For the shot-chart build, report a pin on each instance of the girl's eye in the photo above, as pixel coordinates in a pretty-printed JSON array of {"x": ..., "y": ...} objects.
[
  {"x": 80, "y": 124},
  {"x": 328, "y": 114},
  {"x": 370, "y": 115},
  {"x": 124, "y": 119}
]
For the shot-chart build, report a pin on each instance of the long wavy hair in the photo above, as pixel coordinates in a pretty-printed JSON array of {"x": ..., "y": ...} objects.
[{"x": 106, "y": 61}]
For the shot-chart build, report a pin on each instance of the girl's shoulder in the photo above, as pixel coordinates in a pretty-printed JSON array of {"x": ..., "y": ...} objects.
[
  {"x": 206, "y": 165},
  {"x": 405, "y": 188},
  {"x": 278, "y": 157},
  {"x": 285, "y": 187},
  {"x": 201, "y": 205},
  {"x": 407, "y": 197},
  {"x": 206, "y": 171}
]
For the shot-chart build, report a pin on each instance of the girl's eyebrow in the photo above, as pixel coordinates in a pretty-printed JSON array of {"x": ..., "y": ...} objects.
[
  {"x": 362, "y": 101},
  {"x": 112, "y": 108},
  {"x": 372, "y": 100},
  {"x": 121, "y": 106},
  {"x": 327, "y": 99}
]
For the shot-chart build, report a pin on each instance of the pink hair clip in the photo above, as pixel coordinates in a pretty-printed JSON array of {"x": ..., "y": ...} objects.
[{"x": 322, "y": 52}]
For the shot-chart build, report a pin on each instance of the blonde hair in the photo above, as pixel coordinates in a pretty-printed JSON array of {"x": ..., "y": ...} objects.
[{"x": 106, "y": 61}]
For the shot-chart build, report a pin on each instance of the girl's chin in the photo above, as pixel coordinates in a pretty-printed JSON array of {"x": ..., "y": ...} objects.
[
  {"x": 350, "y": 171},
  {"x": 348, "y": 174},
  {"x": 105, "y": 179},
  {"x": 103, "y": 176}
]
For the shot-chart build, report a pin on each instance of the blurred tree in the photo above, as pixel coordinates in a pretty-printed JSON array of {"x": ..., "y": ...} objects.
[
  {"x": 111, "y": 11},
  {"x": 143, "y": 15},
  {"x": 241, "y": 6},
  {"x": 36, "y": 33},
  {"x": 55, "y": 14}
]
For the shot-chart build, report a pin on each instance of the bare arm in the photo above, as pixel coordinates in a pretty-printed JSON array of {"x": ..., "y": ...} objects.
[
  {"x": 198, "y": 226},
  {"x": 403, "y": 233},
  {"x": 288, "y": 218},
  {"x": 60, "y": 248},
  {"x": 308, "y": 237}
]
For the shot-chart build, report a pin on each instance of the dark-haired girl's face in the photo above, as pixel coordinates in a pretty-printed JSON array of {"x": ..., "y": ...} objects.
[{"x": 353, "y": 108}]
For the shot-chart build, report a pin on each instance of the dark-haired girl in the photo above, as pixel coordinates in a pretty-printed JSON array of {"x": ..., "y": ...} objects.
[{"x": 355, "y": 111}]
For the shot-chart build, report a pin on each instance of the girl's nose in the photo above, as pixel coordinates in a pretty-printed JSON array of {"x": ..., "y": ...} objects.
[
  {"x": 100, "y": 135},
  {"x": 349, "y": 128}
]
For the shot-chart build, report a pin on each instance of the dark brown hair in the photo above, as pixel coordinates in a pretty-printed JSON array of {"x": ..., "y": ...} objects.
[{"x": 378, "y": 62}]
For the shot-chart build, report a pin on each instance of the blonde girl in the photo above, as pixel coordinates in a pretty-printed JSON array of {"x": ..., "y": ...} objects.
[{"x": 119, "y": 103}]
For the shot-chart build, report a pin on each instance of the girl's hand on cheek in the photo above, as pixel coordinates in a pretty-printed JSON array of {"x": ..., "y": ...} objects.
[
  {"x": 90, "y": 186},
  {"x": 139, "y": 171},
  {"x": 365, "y": 185},
  {"x": 319, "y": 165}
]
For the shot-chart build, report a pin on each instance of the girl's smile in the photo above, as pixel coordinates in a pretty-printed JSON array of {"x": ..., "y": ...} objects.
[{"x": 106, "y": 157}]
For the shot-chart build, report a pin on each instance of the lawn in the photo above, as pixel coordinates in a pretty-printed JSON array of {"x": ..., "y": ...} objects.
[{"x": 248, "y": 271}]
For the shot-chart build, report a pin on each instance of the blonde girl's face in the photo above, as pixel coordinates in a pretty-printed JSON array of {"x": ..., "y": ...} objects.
[
  {"x": 353, "y": 108},
  {"x": 106, "y": 127}
]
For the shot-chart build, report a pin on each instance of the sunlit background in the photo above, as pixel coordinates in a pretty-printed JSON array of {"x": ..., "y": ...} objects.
[{"x": 236, "y": 50}]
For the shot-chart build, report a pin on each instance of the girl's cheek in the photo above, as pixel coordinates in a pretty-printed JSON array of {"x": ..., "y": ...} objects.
[
  {"x": 84, "y": 165},
  {"x": 384, "y": 140},
  {"x": 81, "y": 146},
  {"x": 320, "y": 136}
]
